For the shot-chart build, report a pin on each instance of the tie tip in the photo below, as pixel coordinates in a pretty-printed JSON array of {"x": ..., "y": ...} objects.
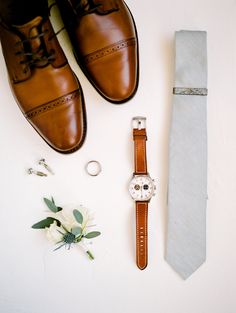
[{"x": 185, "y": 270}]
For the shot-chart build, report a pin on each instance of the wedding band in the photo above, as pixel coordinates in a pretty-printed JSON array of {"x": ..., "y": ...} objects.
[{"x": 93, "y": 168}]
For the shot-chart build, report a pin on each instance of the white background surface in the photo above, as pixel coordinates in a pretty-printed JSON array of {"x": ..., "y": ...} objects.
[{"x": 33, "y": 279}]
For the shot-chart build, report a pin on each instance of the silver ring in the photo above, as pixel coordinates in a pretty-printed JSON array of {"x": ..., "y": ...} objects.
[{"x": 93, "y": 168}]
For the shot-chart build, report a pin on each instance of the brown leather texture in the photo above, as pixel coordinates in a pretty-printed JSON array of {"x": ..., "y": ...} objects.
[
  {"x": 142, "y": 234},
  {"x": 45, "y": 87},
  {"x": 105, "y": 43},
  {"x": 140, "y": 159}
]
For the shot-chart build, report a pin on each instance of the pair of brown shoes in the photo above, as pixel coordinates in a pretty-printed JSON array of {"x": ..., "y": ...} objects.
[{"x": 47, "y": 91}]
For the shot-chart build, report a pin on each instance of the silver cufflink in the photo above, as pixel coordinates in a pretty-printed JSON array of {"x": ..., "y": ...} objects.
[
  {"x": 47, "y": 167},
  {"x": 38, "y": 173}
]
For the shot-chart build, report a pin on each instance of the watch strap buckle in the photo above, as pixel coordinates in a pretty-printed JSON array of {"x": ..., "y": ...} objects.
[{"x": 139, "y": 122}]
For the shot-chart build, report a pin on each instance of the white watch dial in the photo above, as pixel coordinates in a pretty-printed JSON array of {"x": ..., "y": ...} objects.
[{"x": 141, "y": 188}]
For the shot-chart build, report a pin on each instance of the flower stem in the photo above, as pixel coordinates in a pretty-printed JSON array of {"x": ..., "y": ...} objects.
[{"x": 90, "y": 255}]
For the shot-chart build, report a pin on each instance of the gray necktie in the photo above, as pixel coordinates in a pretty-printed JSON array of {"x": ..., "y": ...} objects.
[{"x": 187, "y": 190}]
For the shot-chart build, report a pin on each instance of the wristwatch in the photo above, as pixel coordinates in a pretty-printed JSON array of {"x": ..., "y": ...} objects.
[{"x": 142, "y": 189}]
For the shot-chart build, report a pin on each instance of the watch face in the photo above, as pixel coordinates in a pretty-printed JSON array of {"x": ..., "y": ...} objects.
[{"x": 141, "y": 188}]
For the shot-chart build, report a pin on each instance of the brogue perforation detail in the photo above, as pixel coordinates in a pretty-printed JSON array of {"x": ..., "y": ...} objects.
[
  {"x": 109, "y": 50},
  {"x": 52, "y": 105}
]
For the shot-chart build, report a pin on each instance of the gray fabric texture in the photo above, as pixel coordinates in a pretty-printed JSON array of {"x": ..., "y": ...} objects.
[{"x": 187, "y": 190}]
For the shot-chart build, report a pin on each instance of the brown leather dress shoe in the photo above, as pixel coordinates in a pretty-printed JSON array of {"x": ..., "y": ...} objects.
[
  {"x": 46, "y": 89},
  {"x": 105, "y": 43}
]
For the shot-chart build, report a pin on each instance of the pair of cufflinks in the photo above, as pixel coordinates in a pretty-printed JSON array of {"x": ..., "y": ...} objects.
[{"x": 39, "y": 173}]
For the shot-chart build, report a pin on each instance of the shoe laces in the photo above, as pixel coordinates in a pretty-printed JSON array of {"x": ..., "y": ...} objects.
[
  {"x": 35, "y": 57},
  {"x": 85, "y": 7},
  {"x": 40, "y": 57}
]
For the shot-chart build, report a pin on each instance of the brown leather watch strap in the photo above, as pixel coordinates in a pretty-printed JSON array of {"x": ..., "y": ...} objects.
[
  {"x": 141, "y": 234},
  {"x": 140, "y": 159}
]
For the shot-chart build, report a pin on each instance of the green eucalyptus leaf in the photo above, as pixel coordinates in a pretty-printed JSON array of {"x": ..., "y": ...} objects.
[
  {"x": 78, "y": 216},
  {"x": 51, "y": 205},
  {"x": 93, "y": 234},
  {"x": 46, "y": 223},
  {"x": 58, "y": 207},
  {"x": 76, "y": 230},
  {"x": 57, "y": 221}
]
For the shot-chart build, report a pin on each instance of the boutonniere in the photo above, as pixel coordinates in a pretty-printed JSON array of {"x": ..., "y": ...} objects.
[{"x": 67, "y": 228}]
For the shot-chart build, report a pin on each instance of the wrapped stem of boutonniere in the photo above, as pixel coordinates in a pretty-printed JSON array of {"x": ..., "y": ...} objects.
[{"x": 68, "y": 228}]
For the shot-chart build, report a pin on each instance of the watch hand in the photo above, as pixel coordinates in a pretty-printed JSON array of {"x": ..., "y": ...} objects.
[{"x": 141, "y": 191}]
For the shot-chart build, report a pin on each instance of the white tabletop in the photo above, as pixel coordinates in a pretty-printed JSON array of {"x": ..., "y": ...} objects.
[{"x": 33, "y": 278}]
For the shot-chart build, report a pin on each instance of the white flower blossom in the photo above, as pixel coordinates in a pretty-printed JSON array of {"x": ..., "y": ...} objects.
[
  {"x": 67, "y": 219},
  {"x": 54, "y": 233}
]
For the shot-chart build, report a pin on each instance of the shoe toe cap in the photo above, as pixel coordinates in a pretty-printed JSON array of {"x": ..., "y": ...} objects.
[
  {"x": 115, "y": 76},
  {"x": 61, "y": 122}
]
